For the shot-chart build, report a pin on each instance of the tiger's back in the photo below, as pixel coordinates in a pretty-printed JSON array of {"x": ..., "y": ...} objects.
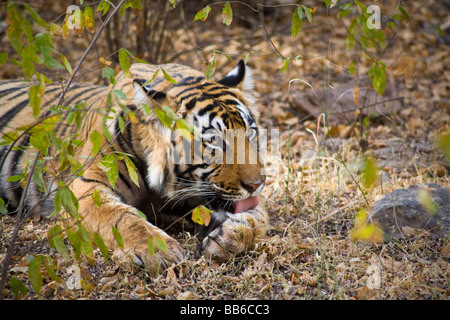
[
  {"x": 16, "y": 112},
  {"x": 161, "y": 187}
]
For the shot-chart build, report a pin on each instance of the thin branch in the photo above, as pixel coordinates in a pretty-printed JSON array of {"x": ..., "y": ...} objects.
[
  {"x": 19, "y": 219},
  {"x": 17, "y": 226},
  {"x": 94, "y": 40},
  {"x": 266, "y": 33}
]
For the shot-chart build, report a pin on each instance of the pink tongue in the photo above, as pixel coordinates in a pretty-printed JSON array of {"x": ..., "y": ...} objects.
[{"x": 244, "y": 205}]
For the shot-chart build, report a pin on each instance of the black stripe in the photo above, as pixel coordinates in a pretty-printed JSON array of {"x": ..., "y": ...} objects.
[
  {"x": 191, "y": 104},
  {"x": 120, "y": 138},
  {"x": 206, "y": 109},
  {"x": 205, "y": 175},
  {"x": 9, "y": 90},
  {"x": 125, "y": 180},
  {"x": 93, "y": 181},
  {"x": 193, "y": 168},
  {"x": 12, "y": 113}
]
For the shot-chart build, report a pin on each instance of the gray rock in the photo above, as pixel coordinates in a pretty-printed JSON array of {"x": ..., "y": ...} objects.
[{"x": 401, "y": 214}]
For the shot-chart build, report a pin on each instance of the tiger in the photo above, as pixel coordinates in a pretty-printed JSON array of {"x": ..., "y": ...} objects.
[{"x": 172, "y": 179}]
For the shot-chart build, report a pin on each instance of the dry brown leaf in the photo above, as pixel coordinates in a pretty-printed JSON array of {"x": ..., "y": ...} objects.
[
  {"x": 356, "y": 95},
  {"x": 406, "y": 67},
  {"x": 187, "y": 295},
  {"x": 364, "y": 293},
  {"x": 412, "y": 232},
  {"x": 446, "y": 250}
]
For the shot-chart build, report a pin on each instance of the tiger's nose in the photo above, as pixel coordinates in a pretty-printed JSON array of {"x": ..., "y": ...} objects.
[{"x": 251, "y": 187}]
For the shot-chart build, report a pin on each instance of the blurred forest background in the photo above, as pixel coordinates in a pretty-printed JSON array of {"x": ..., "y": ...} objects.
[{"x": 318, "y": 86}]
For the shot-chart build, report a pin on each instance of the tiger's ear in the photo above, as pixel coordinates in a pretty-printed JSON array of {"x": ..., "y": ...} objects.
[
  {"x": 145, "y": 95},
  {"x": 240, "y": 77}
]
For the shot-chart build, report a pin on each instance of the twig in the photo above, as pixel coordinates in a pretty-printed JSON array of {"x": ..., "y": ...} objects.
[
  {"x": 266, "y": 33},
  {"x": 368, "y": 105},
  {"x": 19, "y": 220},
  {"x": 94, "y": 40},
  {"x": 17, "y": 226}
]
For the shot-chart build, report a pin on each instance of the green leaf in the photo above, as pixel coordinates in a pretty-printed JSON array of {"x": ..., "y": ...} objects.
[
  {"x": 103, "y": 6},
  {"x": 120, "y": 95},
  {"x": 296, "y": 24},
  {"x": 141, "y": 214},
  {"x": 67, "y": 64},
  {"x": 203, "y": 14},
  {"x": 186, "y": 129},
  {"x": 121, "y": 123},
  {"x": 346, "y": 8},
  {"x": 201, "y": 215},
  {"x": 75, "y": 240},
  {"x": 285, "y": 65},
  {"x": 209, "y": 67},
  {"x": 124, "y": 61},
  {"x": 132, "y": 170},
  {"x": 14, "y": 178},
  {"x": 166, "y": 116},
  {"x": 3, "y": 57},
  {"x": 364, "y": 231},
  {"x": 16, "y": 286},
  {"x": 352, "y": 68},
  {"x": 35, "y": 98},
  {"x": 55, "y": 30},
  {"x": 68, "y": 201},
  {"x": 109, "y": 165},
  {"x": 404, "y": 13},
  {"x": 443, "y": 143},
  {"x": 35, "y": 16},
  {"x": 135, "y": 58},
  {"x": 308, "y": 13},
  {"x": 426, "y": 200},
  {"x": 151, "y": 245},
  {"x": 168, "y": 78},
  {"x": 44, "y": 43},
  {"x": 56, "y": 241},
  {"x": 370, "y": 172},
  {"x": 3, "y": 208},
  {"x": 96, "y": 139},
  {"x": 152, "y": 78},
  {"x": 106, "y": 133},
  {"x": 50, "y": 268},
  {"x": 227, "y": 14},
  {"x": 377, "y": 73},
  {"x": 117, "y": 236},
  {"x": 96, "y": 198},
  {"x": 134, "y": 4},
  {"x": 34, "y": 273},
  {"x": 161, "y": 244},
  {"x": 89, "y": 19},
  {"x": 109, "y": 74},
  {"x": 87, "y": 249},
  {"x": 98, "y": 240}
]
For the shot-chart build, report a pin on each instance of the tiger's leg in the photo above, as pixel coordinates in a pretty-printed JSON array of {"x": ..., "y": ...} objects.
[
  {"x": 236, "y": 234},
  {"x": 134, "y": 230}
]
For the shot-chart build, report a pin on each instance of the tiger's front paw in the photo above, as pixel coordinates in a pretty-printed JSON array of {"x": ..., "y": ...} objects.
[
  {"x": 235, "y": 235},
  {"x": 162, "y": 252}
]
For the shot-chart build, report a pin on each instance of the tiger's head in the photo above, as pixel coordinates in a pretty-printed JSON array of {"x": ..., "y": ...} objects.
[{"x": 216, "y": 156}]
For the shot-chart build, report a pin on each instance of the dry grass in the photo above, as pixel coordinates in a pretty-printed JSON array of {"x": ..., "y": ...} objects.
[{"x": 308, "y": 253}]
